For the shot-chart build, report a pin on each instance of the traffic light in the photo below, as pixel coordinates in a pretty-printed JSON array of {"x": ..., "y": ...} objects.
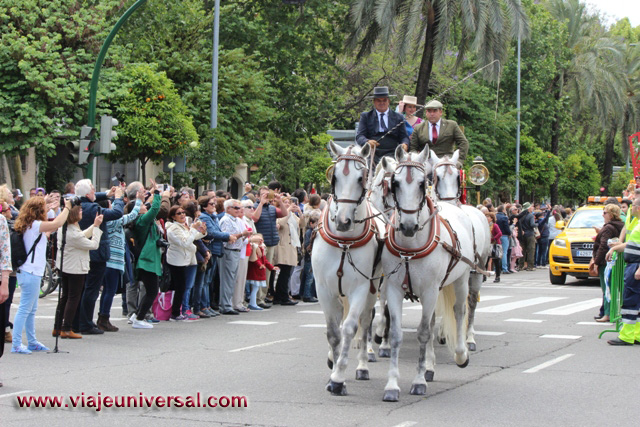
[
  {"x": 74, "y": 151},
  {"x": 85, "y": 145},
  {"x": 107, "y": 123}
]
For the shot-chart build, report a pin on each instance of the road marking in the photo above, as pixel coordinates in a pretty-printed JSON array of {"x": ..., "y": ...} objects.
[
  {"x": 536, "y": 288},
  {"x": 311, "y": 312},
  {"x": 501, "y": 308},
  {"x": 15, "y": 393},
  {"x": 547, "y": 364},
  {"x": 562, "y": 337},
  {"x": 565, "y": 310},
  {"x": 314, "y": 325},
  {"x": 484, "y": 298},
  {"x": 525, "y": 320},
  {"x": 490, "y": 333},
  {"x": 409, "y": 330},
  {"x": 594, "y": 323},
  {"x": 251, "y": 322},
  {"x": 45, "y": 317},
  {"x": 406, "y": 424},
  {"x": 262, "y": 345}
]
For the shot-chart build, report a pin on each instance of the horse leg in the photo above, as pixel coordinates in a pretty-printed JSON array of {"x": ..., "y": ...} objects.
[
  {"x": 380, "y": 325},
  {"x": 475, "y": 282},
  {"x": 349, "y": 328},
  {"x": 461, "y": 288},
  {"x": 362, "y": 371},
  {"x": 371, "y": 354},
  {"x": 430, "y": 354},
  {"x": 394, "y": 302},
  {"x": 425, "y": 339},
  {"x": 333, "y": 315},
  {"x": 385, "y": 349}
]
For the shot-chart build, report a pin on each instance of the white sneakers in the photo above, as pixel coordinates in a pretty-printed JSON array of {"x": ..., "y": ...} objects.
[
  {"x": 133, "y": 316},
  {"x": 140, "y": 324}
]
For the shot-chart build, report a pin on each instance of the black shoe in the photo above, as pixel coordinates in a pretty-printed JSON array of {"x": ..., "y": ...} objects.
[
  {"x": 230, "y": 312},
  {"x": 618, "y": 341},
  {"x": 312, "y": 299},
  {"x": 496, "y": 280},
  {"x": 288, "y": 302},
  {"x": 512, "y": 271},
  {"x": 296, "y": 297},
  {"x": 637, "y": 342},
  {"x": 92, "y": 331},
  {"x": 265, "y": 306}
]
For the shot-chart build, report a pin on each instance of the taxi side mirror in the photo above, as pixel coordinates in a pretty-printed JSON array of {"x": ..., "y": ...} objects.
[{"x": 560, "y": 225}]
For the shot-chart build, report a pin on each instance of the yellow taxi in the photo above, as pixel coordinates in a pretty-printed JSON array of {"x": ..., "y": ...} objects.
[{"x": 571, "y": 251}]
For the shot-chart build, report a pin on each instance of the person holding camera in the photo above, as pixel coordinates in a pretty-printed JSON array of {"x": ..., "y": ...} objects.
[
  {"x": 90, "y": 209},
  {"x": 73, "y": 262},
  {"x": 32, "y": 224},
  {"x": 181, "y": 254}
]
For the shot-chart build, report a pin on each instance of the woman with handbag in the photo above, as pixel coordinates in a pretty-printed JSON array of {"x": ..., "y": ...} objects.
[
  {"x": 496, "y": 245},
  {"x": 74, "y": 266},
  {"x": 612, "y": 227},
  {"x": 286, "y": 255},
  {"x": 181, "y": 254}
]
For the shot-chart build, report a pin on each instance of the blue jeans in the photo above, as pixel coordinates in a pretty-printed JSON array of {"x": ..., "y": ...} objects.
[
  {"x": 309, "y": 284},
  {"x": 505, "y": 248},
  {"x": 26, "y": 314},
  {"x": 189, "y": 283},
  {"x": 542, "y": 255},
  {"x": 112, "y": 278}
]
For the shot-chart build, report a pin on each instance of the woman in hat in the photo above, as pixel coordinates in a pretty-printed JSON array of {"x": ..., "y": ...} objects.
[{"x": 408, "y": 107}]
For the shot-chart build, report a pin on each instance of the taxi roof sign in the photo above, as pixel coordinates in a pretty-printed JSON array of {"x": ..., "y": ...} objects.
[{"x": 599, "y": 200}]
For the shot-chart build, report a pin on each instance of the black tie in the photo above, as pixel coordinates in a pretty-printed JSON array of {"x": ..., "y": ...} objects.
[{"x": 382, "y": 125}]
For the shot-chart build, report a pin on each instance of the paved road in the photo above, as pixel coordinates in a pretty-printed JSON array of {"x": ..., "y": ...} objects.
[{"x": 539, "y": 362}]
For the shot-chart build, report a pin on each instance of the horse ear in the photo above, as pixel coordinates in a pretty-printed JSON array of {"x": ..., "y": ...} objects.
[
  {"x": 365, "y": 151},
  {"x": 335, "y": 149},
  {"x": 424, "y": 154},
  {"x": 456, "y": 156},
  {"x": 400, "y": 153},
  {"x": 433, "y": 159}
]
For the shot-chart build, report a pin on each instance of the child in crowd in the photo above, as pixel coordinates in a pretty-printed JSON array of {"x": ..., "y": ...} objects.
[{"x": 257, "y": 273}]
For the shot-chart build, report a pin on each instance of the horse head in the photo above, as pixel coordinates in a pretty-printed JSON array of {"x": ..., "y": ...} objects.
[
  {"x": 348, "y": 183},
  {"x": 409, "y": 188},
  {"x": 446, "y": 176},
  {"x": 381, "y": 196}
]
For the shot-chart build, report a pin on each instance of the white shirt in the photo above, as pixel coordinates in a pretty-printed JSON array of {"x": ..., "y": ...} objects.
[
  {"x": 431, "y": 129},
  {"x": 30, "y": 235},
  {"x": 385, "y": 119},
  {"x": 232, "y": 225}
]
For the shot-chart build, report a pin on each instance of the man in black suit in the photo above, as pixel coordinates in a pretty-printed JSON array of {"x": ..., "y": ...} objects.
[{"x": 381, "y": 127}]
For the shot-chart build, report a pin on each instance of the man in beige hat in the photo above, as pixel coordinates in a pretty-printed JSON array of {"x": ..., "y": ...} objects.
[
  {"x": 442, "y": 135},
  {"x": 381, "y": 127}
]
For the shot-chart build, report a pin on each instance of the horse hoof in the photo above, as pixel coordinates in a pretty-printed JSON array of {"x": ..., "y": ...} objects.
[
  {"x": 391, "y": 395},
  {"x": 442, "y": 340},
  {"x": 471, "y": 346},
  {"x": 418, "y": 389},
  {"x": 428, "y": 376},
  {"x": 378, "y": 339},
  {"x": 384, "y": 352},
  {"x": 371, "y": 357},
  {"x": 465, "y": 364},
  {"x": 329, "y": 363},
  {"x": 337, "y": 389},
  {"x": 362, "y": 374}
]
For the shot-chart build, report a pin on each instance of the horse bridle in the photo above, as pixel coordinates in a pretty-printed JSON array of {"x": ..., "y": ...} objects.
[
  {"x": 411, "y": 164},
  {"x": 349, "y": 157},
  {"x": 435, "y": 181}
]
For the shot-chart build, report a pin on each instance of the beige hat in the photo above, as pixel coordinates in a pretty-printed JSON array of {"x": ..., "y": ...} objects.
[
  {"x": 434, "y": 104},
  {"x": 408, "y": 99}
]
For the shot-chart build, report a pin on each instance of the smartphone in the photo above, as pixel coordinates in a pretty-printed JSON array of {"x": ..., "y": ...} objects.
[
  {"x": 271, "y": 195},
  {"x": 189, "y": 221},
  {"x": 162, "y": 187}
]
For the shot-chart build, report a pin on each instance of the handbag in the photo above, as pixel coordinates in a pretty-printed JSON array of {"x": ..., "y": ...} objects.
[
  {"x": 164, "y": 281},
  {"x": 593, "y": 270},
  {"x": 162, "y": 305},
  {"x": 496, "y": 251},
  {"x": 536, "y": 232}
]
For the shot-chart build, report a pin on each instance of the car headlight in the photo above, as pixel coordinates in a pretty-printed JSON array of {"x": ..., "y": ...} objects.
[{"x": 560, "y": 243}]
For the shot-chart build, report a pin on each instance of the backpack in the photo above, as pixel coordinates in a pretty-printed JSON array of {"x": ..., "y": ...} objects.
[{"x": 19, "y": 254}]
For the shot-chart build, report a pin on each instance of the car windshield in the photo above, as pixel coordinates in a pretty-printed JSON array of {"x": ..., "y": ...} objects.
[{"x": 587, "y": 218}]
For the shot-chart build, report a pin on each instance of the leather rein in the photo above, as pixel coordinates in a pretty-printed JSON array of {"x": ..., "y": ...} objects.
[{"x": 436, "y": 180}]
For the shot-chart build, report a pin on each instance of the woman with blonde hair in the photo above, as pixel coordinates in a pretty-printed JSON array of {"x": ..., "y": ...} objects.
[{"x": 32, "y": 224}]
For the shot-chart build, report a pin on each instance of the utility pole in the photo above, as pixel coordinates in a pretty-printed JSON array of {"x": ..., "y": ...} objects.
[{"x": 518, "y": 129}]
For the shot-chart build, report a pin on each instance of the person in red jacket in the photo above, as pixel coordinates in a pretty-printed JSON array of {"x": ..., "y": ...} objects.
[
  {"x": 496, "y": 255},
  {"x": 257, "y": 271}
]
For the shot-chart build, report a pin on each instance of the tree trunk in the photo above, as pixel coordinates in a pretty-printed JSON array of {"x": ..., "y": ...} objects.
[
  {"x": 555, "y": 139},
  {"x": 426, "y": 63},
  {"x": 3, "y": 177},
  {"x": 15, "y": 168},
  {"x": 143, "y": 167},
  {"x": 608, "y": 157}
]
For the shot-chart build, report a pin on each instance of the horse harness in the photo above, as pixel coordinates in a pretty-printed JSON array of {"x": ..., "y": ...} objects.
[
  {"x": 348, "y": 157},
  {"x": 447, "y": 163}
]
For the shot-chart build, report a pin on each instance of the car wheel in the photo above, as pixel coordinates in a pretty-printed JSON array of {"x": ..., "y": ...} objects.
[{"x": 557, "y": 280}]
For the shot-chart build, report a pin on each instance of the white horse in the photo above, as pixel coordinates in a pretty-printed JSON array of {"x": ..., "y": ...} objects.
[
  {"x": 343, "y": 260},
  {"x": 447, "y": 188},
  {"x": 422, "y": 255}
]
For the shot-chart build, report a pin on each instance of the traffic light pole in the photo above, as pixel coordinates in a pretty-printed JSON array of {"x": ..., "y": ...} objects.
[{"x": 93, "y": 91}]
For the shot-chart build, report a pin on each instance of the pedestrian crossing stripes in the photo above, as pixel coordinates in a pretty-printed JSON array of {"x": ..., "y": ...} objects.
[
  {"x": 501, "y": 308},
  {"x": 251, "y": 322},
  {"x": 573, "y": 308}
]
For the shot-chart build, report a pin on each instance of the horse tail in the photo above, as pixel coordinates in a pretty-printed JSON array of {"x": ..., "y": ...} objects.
[{"x": 444, "y": 309}]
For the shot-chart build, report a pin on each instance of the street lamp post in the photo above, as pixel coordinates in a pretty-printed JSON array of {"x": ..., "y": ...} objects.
[{"x": 518, "y": 128}]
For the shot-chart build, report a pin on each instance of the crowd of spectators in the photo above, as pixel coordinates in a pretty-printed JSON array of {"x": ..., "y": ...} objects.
[{"x": 215, "y": 254}]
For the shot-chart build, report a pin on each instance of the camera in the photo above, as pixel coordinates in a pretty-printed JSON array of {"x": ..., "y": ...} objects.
[
  {"x": 119, "y": 177},
  {"x": 75, "y": 201},
  {"x": 162, "y": 244}
]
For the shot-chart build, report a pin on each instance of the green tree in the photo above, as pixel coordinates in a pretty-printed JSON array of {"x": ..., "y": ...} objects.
[
  {"x": 579, "y": 177},
  {"x": 484, "y": 28},
  {"x": 154, "y": 122}
]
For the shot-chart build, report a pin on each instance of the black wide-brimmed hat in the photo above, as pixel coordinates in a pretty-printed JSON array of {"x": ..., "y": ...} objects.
[{"x": 380, "y": 92}]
